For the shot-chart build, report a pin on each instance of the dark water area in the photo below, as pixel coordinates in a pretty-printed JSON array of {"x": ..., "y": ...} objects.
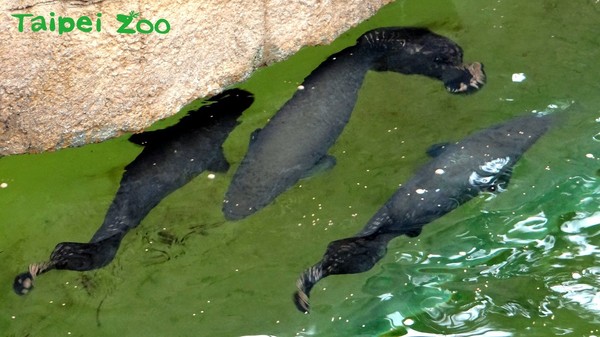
[{"x": 520, "y": 263}]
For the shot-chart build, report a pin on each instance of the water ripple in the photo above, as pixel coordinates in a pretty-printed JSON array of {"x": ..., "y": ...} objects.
[{"x": 581, "y": 223}]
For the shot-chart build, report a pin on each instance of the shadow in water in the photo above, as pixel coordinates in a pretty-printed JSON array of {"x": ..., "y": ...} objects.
[{"x": 170, "y": 159}]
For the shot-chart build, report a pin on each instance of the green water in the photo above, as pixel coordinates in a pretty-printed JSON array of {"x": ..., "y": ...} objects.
[{"x": 524, "y": 263}]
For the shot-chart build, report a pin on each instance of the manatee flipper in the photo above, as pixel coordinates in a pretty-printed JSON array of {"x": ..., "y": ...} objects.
[
  {"x": 327, "y": 162},
  {"x": 254, "y": 134},
  {"x": 412, "y": 232},
  {"x": 219, "y": 164},
  {"x": 138, "y": 139},
  {"x": 144, "y": 138},
  {"x": 346, "y": 256},
  {"x": 437, "y": 149}
]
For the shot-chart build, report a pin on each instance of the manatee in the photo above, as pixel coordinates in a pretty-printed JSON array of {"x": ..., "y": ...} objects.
[
  {"x": 458, "y": 172},
  {"x": 297, "y": 138},
  {"x": 170, "y": 159}
]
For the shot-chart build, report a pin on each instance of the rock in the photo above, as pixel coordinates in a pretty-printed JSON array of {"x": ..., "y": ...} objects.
[{"x": 69, "y": 89}]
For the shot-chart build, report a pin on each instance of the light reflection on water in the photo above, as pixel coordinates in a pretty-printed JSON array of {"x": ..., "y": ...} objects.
[
  {"x": 581, "y": 291},
  {"x": 470, "y": 285},
  {"x": 525, "y": 270}
]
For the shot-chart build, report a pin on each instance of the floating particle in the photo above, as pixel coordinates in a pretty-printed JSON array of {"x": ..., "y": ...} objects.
[
  {"x": 3, "y": 185},
  {"x": 211, "y": 176},
  {"x": 518, "y": 77}
]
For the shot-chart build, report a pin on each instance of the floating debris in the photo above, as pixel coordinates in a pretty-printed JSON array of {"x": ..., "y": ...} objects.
[{"x": 518, "y": 77}]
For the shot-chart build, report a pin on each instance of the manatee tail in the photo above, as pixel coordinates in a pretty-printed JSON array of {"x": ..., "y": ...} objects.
[
  {"x": 304, "y": 284},
  {"x": 70, "y": 256},
  {"x": 346, "y": 256},
  {"x": 464, "y": 79},
  {"x": 24, "y": 282}
]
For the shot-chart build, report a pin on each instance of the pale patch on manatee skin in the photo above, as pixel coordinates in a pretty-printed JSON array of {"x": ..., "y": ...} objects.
[
  {"x": 492, "y": 167},
  {"x": 496, "y": 165}
]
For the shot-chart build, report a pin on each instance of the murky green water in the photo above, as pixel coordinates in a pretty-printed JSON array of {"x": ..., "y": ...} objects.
[{"x": 524, "y": 263}]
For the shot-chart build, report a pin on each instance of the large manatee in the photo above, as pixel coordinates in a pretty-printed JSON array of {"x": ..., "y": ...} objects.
[
  {"x": 298, "y": 137},
  {"x": 170, "y": 159},
  {"x": 458, "y": 172}
]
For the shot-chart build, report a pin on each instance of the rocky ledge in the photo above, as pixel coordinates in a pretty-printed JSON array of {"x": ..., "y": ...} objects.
[{"x": 76, "y": 72}]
